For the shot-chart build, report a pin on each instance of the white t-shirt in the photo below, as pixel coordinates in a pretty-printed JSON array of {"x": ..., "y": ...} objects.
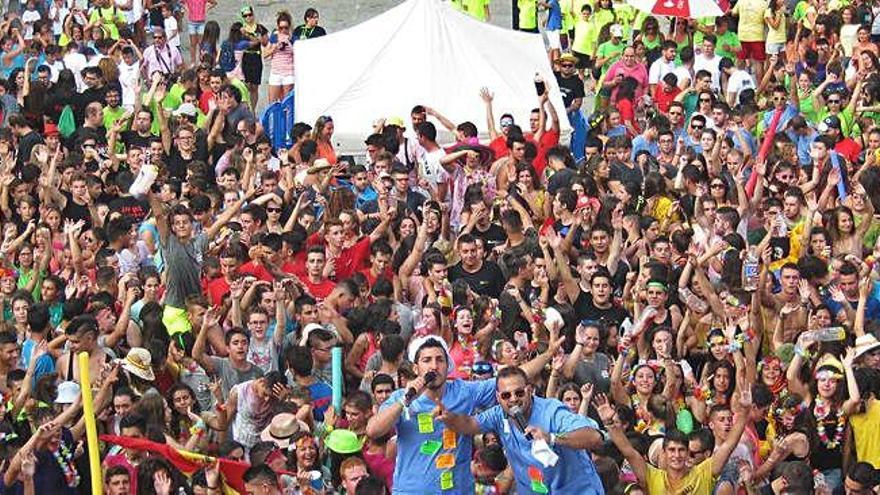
[
  {"x": 684, "y": 75},
  {"x": 711, "y": 65},
  {"x": 738, "y": 82},
  {"x": 76, "y": 62},
  {"x": 659, "y": 69},
  {"x": 430, "y": 168},
  {"x": 128, "y": 76},
  {"x": 172, "y": 31},
  {"x": 58, "y": 14},
  {"x": 28, "y": 18},
  {"x": 55, "y": 68}
]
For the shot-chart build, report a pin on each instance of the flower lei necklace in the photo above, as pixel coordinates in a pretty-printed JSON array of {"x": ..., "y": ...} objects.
[
  {"x": 65, "y": 461},
  {"x": 822, "y": 410}
]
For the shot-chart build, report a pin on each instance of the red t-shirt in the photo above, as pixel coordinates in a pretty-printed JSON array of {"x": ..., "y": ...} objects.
[
  {"x": 319, "y": 290},
  {"x": 257, "y": 270},
  {"x": 216, "y": 289},
  {"x": 388, "y": 275},
  {"x": 663, "y": 98},
  {"x": 627, "y": 112},
  {"x": 350, "y": 260},
  {"x": 499, "y": 146},
  {"x": 548, "y": 140}
]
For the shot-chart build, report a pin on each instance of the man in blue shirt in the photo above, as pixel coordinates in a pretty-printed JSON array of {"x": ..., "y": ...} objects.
[
  {"x": 567, "y": 434},
  {"x": 432, "y": 459},
  {"x": 647, "y": 140},
  {"x": 553, "y": 29}
]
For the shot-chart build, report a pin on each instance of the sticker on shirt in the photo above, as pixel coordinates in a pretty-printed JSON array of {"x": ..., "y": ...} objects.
[
  {"x": 446, "y": 480},
  {"x": 426, "y": 423},
  {"x": 449, "y": 439},
  {"x": 445, "y": 461},
  {"x": 430, "y": 447}
]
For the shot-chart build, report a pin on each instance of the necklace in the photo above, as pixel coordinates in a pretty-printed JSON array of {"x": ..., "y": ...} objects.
[
  {"x": 822, "y": 410},
  {"x": 65, "y": 461}
]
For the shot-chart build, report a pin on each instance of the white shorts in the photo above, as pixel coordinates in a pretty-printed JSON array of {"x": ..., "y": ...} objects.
[
  {"x": 553, "y": 40},
  {"x": 773, "y": 48},
  {"x": 279, "y": 80}
]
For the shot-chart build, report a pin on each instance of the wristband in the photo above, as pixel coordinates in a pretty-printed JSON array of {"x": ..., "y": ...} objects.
[{"x": 553, "y": 439}]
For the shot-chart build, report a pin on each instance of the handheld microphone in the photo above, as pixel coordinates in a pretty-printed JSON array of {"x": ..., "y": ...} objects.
[
  {"x": 517, "y": 414},
  {"x": 412, "y": 393}
]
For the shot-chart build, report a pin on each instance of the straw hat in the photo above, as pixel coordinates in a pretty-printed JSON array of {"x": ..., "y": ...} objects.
[
  {"x": 281, "y": 430},
  {"x": 866, "y": 343},
  {"x": 138, "y": 363}
]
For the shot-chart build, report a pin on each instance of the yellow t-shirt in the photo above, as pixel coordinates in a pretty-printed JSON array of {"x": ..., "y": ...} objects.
[
  {"x": 866, "y": 428},
  {"x": 699, "y": 481},
  {"x": 751, "y": 19},
  {"x": 475, "y": 8},
  {"x": 528, "y": 14}
]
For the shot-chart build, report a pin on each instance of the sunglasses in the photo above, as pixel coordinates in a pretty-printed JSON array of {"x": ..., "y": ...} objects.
[
  {"x": 566, "y": 65},
  {"x": 835, "y": 102},
  {"x": 482, "y": 368},
  {"x": 518, "y": 393},
  {"x": 697, "y": 127},
  {"x": 273, "y": 210},
  {"x": 249, "y": 15},
  {"x": 717, "y": 186}
]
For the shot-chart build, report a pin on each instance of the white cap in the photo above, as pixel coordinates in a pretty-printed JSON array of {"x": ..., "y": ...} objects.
[
  {"x": 420, "y": 342},
  {"x": 617, "y": 30}
]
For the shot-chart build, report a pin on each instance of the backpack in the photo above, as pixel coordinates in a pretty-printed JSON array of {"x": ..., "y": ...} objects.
[{"x": 227, "y": 56}]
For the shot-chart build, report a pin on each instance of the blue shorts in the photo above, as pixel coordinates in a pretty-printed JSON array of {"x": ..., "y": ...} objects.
[{"x": 195, "y": 27}]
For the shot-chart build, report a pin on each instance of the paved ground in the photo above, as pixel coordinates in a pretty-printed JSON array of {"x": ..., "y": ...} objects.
[{"x": 336, "y": 15}]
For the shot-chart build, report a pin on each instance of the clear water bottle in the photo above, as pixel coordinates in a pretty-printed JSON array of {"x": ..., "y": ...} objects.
[
  {"x": 782, "y": 225},
  {"x": 825, "y": 334},
  {"x": 692, "y": 300},
  {"x": 750, "y": 270}
]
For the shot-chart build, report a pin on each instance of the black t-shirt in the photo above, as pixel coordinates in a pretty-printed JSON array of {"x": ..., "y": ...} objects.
[
  {"x": 493, "y": 237},
  {"x": 75, "y": 212},
  {"x": 620, "y": 172},
  {"x": 131, "y": 139},
  {"x": 572, "y": 88},
  {"x": 82, "y": 100},
  {"x": 487, "y": 281},
  {"x": 559, "y": 179},
  {"x": 26, "y": 144},
  {"x": 130, "y": 208},
  {"x": 586, "y": 310}
]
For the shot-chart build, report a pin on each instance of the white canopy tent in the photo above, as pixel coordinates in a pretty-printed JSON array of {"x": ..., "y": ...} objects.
[{"x": 421, "y": 52}]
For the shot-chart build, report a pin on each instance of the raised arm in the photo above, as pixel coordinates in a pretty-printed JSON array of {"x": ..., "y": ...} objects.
[
  {"x": 618, "y": 437},
  {"x": 487, "y": 97}
]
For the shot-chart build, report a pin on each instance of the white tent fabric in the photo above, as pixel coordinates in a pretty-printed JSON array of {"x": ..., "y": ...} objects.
[{"x": 421, "y": 52}]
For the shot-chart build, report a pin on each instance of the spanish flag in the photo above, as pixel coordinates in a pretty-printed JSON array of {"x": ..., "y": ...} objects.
[{"x": 188, "y": 462}]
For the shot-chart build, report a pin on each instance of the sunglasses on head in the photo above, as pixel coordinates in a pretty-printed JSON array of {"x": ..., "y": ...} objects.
[
  {"x": 482, "y": 368},
  {"x": 518, "y": 393}
]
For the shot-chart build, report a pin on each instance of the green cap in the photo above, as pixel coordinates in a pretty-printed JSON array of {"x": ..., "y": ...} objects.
[
  {"x": 247, "y": 9},
  {"x": 343, "y": 442}
]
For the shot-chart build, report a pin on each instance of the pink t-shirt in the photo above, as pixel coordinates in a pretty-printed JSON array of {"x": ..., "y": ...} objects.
[
  {"x": 637, "y": 72},
  {"x": 282, "y": 57},
  {"x": 196, "y": 10}
]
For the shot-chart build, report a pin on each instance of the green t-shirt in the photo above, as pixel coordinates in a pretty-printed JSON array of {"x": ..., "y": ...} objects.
[
  {"x": 528, "y": 14},
  {"x": 475, "y": 8},
  {"x": 586, "y": 34},
  {"x": 110, "y": 19},
  {"x": 609, "y": 49},
  {"x": 111, "y": 115},
  {"x": 847, "y": 121}
]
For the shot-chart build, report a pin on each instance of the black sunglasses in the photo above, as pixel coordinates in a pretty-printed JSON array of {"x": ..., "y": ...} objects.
[{"x": 519, "y": 393}]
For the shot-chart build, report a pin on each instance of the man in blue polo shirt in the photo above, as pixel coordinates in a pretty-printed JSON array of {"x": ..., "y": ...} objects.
[
  {"x": 545, "y": 420},
  {"x": 432, "y": 459}
]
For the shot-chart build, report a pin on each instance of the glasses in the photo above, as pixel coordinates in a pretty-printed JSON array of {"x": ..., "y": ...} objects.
[
  {"x": 697, "y": 127},
  {"x": 566, "y": 65},
  {"x": 834, "y": 102},
  {"x": 717, "y": 186},
  {"x": 273, "y": 210},
  {"x": 518, "y": 393},
  {"x": 249, "y": 15}
]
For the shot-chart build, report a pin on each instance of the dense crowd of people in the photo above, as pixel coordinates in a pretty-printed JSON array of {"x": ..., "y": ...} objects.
[{"x": 679, "y": 297}]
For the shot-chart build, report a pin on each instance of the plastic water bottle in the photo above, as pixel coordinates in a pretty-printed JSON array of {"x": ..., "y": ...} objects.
[
  {"x": 782, "y": 229},
  {"x": 750, "y": 270},
  {"x": 144, "y": 180},
  {"x": 826, "y": 334},
  {"x": 692, "y": 300}
]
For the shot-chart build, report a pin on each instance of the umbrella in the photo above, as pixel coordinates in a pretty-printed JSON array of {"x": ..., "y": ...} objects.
[{"x": 689, "y": 9}]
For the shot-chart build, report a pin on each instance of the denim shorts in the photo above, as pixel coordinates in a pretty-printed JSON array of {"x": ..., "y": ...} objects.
[{"x": 194, "y": 27}]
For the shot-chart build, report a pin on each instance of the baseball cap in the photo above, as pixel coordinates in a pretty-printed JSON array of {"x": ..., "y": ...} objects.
[
  {"x": 616, "y": 31},
  {"x": 828, "y": 123}
]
